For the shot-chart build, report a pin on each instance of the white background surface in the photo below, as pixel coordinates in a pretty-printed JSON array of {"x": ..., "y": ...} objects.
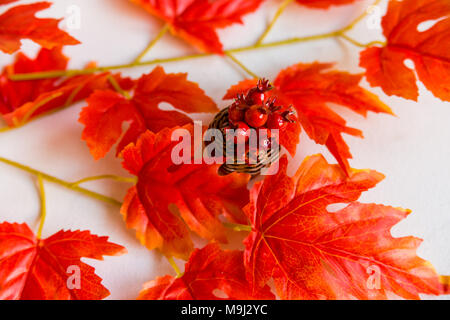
[{"x": 412, "y": 149}]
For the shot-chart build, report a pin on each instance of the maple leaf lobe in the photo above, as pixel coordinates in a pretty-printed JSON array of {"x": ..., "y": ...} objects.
[{"x": 19, "y": 22}]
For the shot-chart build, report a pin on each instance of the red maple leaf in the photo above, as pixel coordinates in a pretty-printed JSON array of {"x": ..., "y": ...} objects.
[
  {"x": 311, "y": 88},
  {"x": 323, "y": 4},
  {"x": 20, "y": 23},
  {"x": 7, "y": 1},
  {"x": 196, "y": 21},
  {"x": 107, "y": 110},
  {"x": 21, "y": 101},
  {"x": 35, "y": 269},
  {"x": 429, "y": 50},
  {"x": 210, "y": 274},
  {"x": 313, "y": 252},
  {"x": 169, "y": 200}
]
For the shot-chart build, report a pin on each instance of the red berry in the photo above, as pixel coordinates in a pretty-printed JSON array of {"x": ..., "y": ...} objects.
[
  {"x": 256, "y": 97},
  {"x": 241, "y": 130},
  {"x": 275, "y": 121},
  {"x": 256, "y": 116},
  {"x": 236, "y": 113},
  {"x": 264, "y": 138}
]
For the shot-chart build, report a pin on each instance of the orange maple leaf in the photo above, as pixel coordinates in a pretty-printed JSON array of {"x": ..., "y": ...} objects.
[
  {"x": 429, "y": 50},
  {"x": 35, "y": 269},
  {"x": 314, "y": 253},
  {"x": 196, "y": 21},
  {"x": 107, "y": 110},
  {"x": 169, "y": 200},
  {"x": 311, "y": 88},
  {"x": 20, "y": 23},
  {"x": 208, "y": 272}
]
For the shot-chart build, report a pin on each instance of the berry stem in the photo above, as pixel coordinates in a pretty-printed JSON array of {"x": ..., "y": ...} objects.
[
  {"x": 361, "y": 45},
  {"x": 104, "y": 177},
  {"x": 75, "y": 72},
  {"x": 152, "y": 43},
  {"x": 278, "y": 14},
  {"x": 36, "y": 107},
  {"x": 238, "y": 227},
  {"x": 241, "y": 65},
  {"x": 43, "y": 205},
  {"x": 61, "y": 182},
  {"x": 174, "y": 266},
  {"x": 358, "y": 19},
  {"x": 117, "y": 87}
]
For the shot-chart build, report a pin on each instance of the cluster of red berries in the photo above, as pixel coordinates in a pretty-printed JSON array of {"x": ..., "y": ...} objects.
[{"x": 257, "y": 110}]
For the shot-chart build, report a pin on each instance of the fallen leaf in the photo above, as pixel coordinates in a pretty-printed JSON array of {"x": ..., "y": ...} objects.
[
  {"x": 36, "y": 269},
  {"x": 208, "y": 272},
  {"x": 315, "y": 252},
  {"x": 429, "y": 50},
  {"x": 20, "y": 22},
  {"x": 108, "y": 110},
  {"x": 170, "y": 200},
  {"x": 311, "y": 88},
  {"x": 196, "y": 21}
]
